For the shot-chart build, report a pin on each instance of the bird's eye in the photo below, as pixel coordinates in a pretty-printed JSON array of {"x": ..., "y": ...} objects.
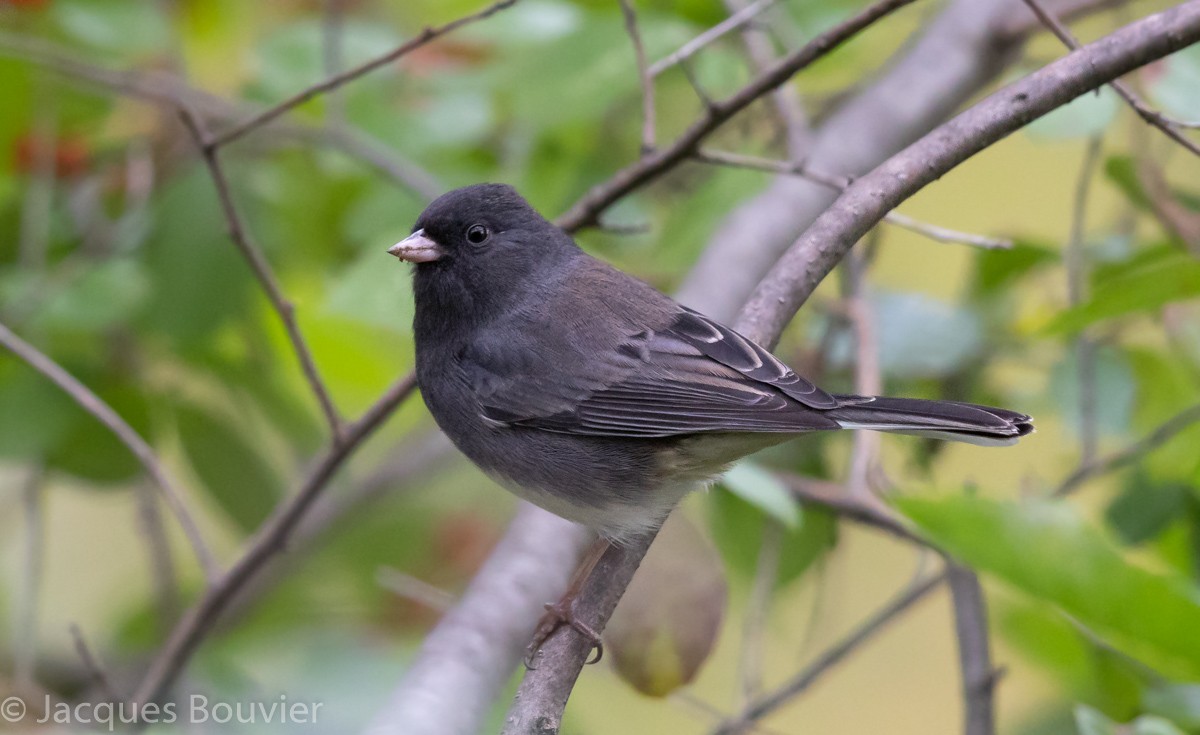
[{"x": 477, "y": 234}]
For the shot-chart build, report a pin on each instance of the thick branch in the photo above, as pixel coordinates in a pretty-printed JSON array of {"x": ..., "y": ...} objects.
[
  {"x": 473, "y": 648},
  {"x": 867, "y": 200},
  {"x": 544, "y": 691},
  {"x": 1144, "y": 111}
]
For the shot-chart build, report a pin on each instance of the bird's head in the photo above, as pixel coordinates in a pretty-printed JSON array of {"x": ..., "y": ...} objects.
[{"x": 479, "y": 245}]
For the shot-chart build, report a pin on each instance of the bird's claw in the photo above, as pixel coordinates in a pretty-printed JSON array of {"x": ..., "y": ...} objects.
[{"x": 556, "y": 616}]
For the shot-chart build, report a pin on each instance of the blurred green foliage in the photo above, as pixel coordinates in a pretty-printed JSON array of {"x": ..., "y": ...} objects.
[{"x": 115, "y": 260}]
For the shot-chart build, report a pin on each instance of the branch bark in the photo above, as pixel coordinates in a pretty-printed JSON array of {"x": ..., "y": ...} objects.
[
  {"x": 974, "y": 653},
  {"x": 792, "y": 280},
  {"x": 963, "y": 48},
  {"x": 543, "y": 693}
]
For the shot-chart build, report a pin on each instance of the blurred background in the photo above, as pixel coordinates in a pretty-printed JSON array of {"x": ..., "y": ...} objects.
[{"x": 115, "y": 261}]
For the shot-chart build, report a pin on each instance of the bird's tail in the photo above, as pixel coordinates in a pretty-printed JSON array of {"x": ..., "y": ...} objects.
[{"x": 964, "y": 422}]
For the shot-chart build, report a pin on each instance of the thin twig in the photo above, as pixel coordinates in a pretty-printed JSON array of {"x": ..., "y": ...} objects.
[
  {"x": 337, "y": 80},
  {"x": 25, "y": 629},
  {"x": 1077, "y": 277},
  {"x": 798, "y": 132},
  {"x": 645, "y": 76},
  {"x": 544, "y": 691},
  {"x": 408, "y": 587},
  {"x": 1144, "y": 111},
  {"x": 817, "y": 251},
  {"x": 839, "y": 183},
  {"x": 269, "y": 540},
  {"x": 262, "y": 269},
  {"x": 832, "y": 656},
  {"x": 758, "y": 606},
  {"x": 974, "y": 652},
  {"x": 158, "y": 553},
  {"x": 947, "y": 235},
  {"x": 867, "y": 510},
  {"x": 599, "y": 198},
  {"x": 732, "y": 23},
  {"x": 164, "y": 89},
  {"x": 332, "y": 23},
  {"x": 868, "y": 371},
  {"x": 92, "y": 665},
  {"x": 104, "y": 413},
  {"x": 38, "y": 202},
  {"x": 1130, "y": 454}
]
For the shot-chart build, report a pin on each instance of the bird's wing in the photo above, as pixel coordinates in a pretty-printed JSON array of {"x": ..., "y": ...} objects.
[{"x": 692, "y": 375}]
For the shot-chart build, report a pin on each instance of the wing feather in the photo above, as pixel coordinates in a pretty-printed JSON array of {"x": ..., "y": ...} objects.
[{"x": 692, "y": 376}]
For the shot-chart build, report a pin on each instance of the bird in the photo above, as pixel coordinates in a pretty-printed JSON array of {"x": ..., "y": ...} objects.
[{"x": 588, "y": 392}]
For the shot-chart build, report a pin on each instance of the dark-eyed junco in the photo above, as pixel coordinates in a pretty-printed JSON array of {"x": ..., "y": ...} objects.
[{"x": 593, "y": 395}]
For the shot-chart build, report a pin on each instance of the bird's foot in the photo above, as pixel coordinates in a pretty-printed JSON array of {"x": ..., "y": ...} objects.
[{"x": 556, "y": 616}]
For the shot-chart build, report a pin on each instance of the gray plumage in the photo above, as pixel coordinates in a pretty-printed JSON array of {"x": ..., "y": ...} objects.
[{"x": 590, "y": 393}]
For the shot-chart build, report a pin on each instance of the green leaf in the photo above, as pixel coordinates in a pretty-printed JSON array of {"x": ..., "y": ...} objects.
[
  {"x": 763, "y": 490},
  {"x": 1047, "y": 551},
  {"x": 197, "y": 278},
  {"x": 130, "y": 27},
  {"x": 738, "y": 527},
  {"x": 1151, "y": 725},
  {"x": 1122, "y": 171},
  {"x": 1145, "y": 508},
  {"x": 1114, "y": 391},
  {"x": 37, "y": 415},
  {"x": 103, "y": 295},
  {"x": 996, "y": 270},
  {"x": 1175, "y": 91},
  {"x": 373, "y": 291},
  {"x": 1085, "y": 116},
  {"x": 1179, "y": 703},
  {"x": 1133, "y": 290},
  {"x": 919, "y": 337},
  {"x": 1091, "y": 722},
  {"x": 231, "y": 468},
  {"x": 91, "y": 452},
  {"x": 667, "y": 623}
]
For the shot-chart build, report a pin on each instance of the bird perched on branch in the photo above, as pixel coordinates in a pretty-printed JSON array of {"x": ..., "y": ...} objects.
[{"x": 595, "y": 396}]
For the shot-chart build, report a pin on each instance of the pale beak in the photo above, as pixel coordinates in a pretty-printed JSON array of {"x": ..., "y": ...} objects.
[{"x": 417, "y": 248}]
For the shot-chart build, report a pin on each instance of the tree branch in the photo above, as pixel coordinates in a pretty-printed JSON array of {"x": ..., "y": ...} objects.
[
  {"x": 543, "y": 693},
  {"x": 1130, "y": 454},
  {"x": 792, "y": 280},
  {"x": 170, "y": 91},
  {"x": 1144, "y": 111},
  {"x": 967, "y": 45},
  {"x": 648, "y": 168},
  {"x": 469, "y": 656},
  {"x": 262, "y": 269},
  {"x": 839, "y": 183},
  {"x": 269, "y": 540},
  {"x": 733, "y": 22},
  {"x": 337, "y": 80},
  {"x": 974, "y": 654},
  {"x": 137, "y": 446},
  {"x": 645, "y": 77},
  {"x": 831, "y": 657}
]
